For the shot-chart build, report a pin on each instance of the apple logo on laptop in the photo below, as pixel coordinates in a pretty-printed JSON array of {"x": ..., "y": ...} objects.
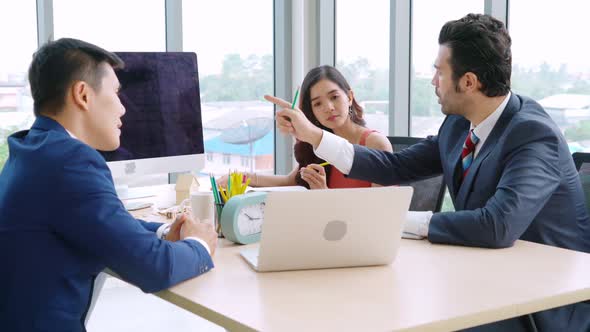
[
  {"x": 335, "y": 230},
  {"x": 130, "y": 168}
]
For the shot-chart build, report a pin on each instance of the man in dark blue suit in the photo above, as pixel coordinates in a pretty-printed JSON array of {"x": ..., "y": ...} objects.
[
  {"x": 507, "y": 165},
  {"x": 61, "y": 222}
]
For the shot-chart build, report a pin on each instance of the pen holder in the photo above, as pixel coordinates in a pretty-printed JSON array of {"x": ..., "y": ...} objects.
[{"x": 217, "y": 223}]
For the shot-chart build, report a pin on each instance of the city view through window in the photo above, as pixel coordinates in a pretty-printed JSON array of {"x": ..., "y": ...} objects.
[{"x": 236, "y": 73}]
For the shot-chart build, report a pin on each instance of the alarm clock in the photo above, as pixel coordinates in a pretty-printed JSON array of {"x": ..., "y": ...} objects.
[{"x": 242, "y": 216}]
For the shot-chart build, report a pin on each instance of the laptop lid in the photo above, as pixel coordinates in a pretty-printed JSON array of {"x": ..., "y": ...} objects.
[{"x": 332, "y": 228}]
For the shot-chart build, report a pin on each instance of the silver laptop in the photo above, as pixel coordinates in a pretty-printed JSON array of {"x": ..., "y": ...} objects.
[{"x": 330, "y": 228}]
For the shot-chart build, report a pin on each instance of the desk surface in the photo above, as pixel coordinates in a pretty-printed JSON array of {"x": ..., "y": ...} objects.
[{"x": 428, "y": 288}]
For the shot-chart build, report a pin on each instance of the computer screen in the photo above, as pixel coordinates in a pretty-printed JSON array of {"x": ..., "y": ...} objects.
[{"x": 162, "y": 130}]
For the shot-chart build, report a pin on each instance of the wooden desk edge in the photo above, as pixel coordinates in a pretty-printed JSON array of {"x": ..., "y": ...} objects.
[
  {"x": 203, "y": 312},
  {"x": 496, "y": 315},
  {"x": 457, "y": 323}
]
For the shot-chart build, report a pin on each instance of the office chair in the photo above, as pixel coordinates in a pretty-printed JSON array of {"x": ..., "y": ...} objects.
[
  {"x": 582, "y": 158},
  {"x": 428, "y": 193},
  {"x": 582, "y": 161}
]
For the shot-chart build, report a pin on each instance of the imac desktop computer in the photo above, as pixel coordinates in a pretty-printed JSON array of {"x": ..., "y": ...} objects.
[{"x": 162, "y": 130}]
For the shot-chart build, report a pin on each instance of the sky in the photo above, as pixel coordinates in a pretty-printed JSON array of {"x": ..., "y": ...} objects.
[{"x": 541, "y": 31}]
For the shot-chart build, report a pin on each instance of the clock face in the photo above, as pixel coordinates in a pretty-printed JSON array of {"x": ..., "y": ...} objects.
[
  {"x": 241, "y": 219},
  {"x": 250, "y": 219}
]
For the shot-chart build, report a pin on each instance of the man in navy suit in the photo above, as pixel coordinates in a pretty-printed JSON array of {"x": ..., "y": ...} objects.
[
  {"x": 61, "y": 222},
  {"x": 507, "y": 165}
]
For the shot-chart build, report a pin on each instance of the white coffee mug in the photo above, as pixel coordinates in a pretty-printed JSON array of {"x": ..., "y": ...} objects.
[{"x": 202, "y": 206}]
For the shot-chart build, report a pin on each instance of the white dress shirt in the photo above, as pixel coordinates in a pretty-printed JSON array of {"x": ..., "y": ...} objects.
[
  {"x": 340, "y": 153},
  {"x": 483, "y": 130},
  {"x": 165, "y": 227}
]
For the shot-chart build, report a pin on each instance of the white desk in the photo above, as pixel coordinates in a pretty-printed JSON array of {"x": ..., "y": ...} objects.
[{"x": 428, "y": 288}]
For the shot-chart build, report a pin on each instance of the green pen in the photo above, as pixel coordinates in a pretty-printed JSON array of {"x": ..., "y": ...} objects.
[{"x": 295, "y": 99}]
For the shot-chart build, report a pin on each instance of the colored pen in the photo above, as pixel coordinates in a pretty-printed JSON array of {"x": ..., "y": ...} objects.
[
  {"x": 229, "y": 177},
  {"x": 295, "y": 99},
  {"x": 214, "y": 189},
  {"x": 217, "y": 193},
  {"x": 324, "y": 164}
]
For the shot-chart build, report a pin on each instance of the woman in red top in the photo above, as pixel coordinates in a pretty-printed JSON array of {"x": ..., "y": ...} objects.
[{"x": 328, "y": 102}]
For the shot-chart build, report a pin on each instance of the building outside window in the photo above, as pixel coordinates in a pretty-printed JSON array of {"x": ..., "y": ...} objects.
[
  {"x": 552, "y": 67},
  {"x": 235, "y": 72},
  {"x": 363, "y": 61},
  {"x": 226, "y": 157}
]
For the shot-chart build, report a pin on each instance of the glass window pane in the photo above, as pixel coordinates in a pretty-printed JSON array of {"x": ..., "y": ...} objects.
[
  {"x": 235, "y": 55},
  {"x": 552, "y": 67},
  {"x": 130, "y": 25},
  {"x": 18, "y": 23},
  {"x": 428, "y": 17},
  {"x": 363, "y": 61}
]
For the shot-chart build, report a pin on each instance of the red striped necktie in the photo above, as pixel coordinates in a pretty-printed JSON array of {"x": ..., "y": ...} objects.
[{"x": 468, "y": 152}]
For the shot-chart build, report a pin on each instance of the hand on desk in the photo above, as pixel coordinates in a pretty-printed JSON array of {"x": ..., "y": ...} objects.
[
  {"x": 202, "y": 230},
  {"x": 412, "y": 236},
  {"x": 416, "y": 226},
  {"x": 174, "y": 231}
]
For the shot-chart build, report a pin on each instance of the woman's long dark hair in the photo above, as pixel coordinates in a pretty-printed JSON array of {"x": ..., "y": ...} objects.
[{"x": 304, "y": 151}]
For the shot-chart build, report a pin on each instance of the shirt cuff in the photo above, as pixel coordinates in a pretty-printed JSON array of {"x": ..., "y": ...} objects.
[
  {"x": 417, "y": 223},
  {"x": 337, "y": 151},
  {"x": 201, "y": 242},
  {"x": 162, "y": 229}
]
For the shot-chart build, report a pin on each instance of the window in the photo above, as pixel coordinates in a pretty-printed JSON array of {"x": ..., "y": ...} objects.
[
  {"x": 235, "y": 54},
  {"x": 428, "y": 17},
  {"x": 363, "y": 61},
  {"x": 209, "y": 157},
  {"x": 130, "y": 25},
  {"x": 552, "y": 67},
  {"x": 18, "y": 24},
  {"x": 245, "y": 161}
]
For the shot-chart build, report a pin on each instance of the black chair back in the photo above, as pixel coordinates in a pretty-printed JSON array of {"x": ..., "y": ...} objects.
[
  {"x": 428, "y": 193},
  {"x": 582, "y": 161}
]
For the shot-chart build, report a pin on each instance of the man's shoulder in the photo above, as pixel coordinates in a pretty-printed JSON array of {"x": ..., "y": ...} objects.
[
  {"x": 60, "y": 147},
  {"x": 530, "y": 109},
  {"x": 532, "y": 116},
  {"x": 52, "y": 150},
  {"x": 531, "y": 124}
]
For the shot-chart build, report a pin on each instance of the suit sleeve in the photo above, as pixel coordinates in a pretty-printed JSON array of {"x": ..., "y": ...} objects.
[
  {"x": 96, "y": 223},
  {"x": 419, "y": 161},
  {"x": 530, "y": 176},
  {"x": 150, "y": 225}
]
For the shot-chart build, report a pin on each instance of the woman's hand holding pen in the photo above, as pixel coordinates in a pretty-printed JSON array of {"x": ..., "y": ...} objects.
[
  {"x": 292, "y": 121},
  {"x": 315, "y": 176}
]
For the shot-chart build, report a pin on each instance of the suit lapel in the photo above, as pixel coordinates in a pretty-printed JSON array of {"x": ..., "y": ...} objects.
[{"x": 512, "y": 107}]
